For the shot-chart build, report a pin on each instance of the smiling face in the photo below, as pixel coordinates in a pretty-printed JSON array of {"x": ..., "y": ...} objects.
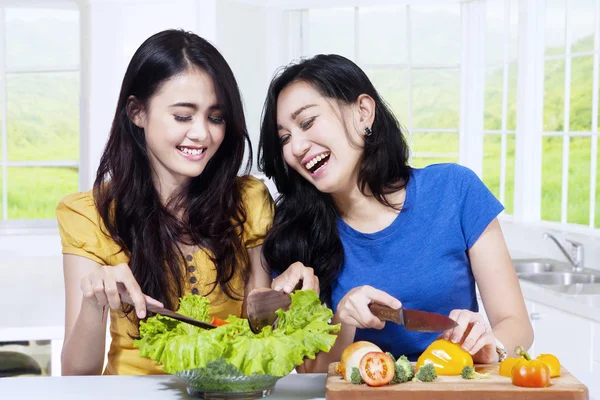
[
  {"x": 183, "y": 125},
  {"x": 320, "y": 140}
]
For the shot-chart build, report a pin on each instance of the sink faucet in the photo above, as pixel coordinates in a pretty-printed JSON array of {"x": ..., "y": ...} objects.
[{"x": 576, "y": 257}]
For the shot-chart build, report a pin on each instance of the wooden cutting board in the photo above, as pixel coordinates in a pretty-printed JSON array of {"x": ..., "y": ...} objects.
[{"x": 454, "y": 388}]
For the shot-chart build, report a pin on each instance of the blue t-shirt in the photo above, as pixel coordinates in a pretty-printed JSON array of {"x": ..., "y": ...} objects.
[{"x": 421, "y": 257}]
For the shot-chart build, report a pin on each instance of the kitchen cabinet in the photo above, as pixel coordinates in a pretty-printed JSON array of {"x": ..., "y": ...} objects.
[
  {"x": 573, "y": 339},
  {"x": 567, "y": 336},
  {"x": 596, "y": 345}
]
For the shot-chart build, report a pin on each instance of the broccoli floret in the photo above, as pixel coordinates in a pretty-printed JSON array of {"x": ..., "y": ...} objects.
[
  {"x": 469, "y": 372},
  {"x": 406, "y": 366},
  {"x": 355, "y": 377},
  {"x": 398, "y": 375},
  {"x": 425, "y": 374},
  {"x": 391, "y": 356},
  {"x": 404, "y": 371}
]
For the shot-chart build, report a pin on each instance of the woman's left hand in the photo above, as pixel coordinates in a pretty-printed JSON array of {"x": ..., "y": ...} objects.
[
  {"x": 474, "y": 334},
  {"x": 295, "y": 274}
]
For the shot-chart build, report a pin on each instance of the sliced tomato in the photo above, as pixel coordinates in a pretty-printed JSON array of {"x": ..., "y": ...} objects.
[
  {"x": 218, "y": 321},
  {"x": 376, "y": 368}
]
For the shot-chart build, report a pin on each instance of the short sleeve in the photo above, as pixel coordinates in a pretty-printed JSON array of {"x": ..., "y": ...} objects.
[
  {"x": 479, "y": 207},
  {"x": 79, "y": 227},
  {"x": 259, "y": 208}
]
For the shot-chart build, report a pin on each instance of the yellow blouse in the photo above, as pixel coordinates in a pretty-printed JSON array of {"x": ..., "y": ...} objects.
[{"x": 81, "y": 234}]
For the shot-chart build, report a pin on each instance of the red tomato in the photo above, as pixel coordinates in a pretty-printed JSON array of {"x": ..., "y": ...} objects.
[
  {"x": 376, "y": 368},
  {"x": 218, "y": 321}
]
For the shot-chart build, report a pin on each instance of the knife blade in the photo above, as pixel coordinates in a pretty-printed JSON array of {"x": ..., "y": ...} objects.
[{"x": 414, "y": 320}]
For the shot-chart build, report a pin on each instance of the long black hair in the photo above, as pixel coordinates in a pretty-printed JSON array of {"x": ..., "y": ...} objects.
[
  {"x": 305, "y": 228},
  {"x": 148, "y": 231}
]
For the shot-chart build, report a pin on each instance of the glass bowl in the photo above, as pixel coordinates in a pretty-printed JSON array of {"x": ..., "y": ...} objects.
[{"x": 220, "y": 380}]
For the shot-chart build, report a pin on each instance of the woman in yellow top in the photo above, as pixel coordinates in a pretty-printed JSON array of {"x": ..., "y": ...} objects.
[{"x": 168, "y": 215}]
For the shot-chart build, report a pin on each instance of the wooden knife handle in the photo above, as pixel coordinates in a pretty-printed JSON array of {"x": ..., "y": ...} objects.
[{"x": 386, "y": 313}]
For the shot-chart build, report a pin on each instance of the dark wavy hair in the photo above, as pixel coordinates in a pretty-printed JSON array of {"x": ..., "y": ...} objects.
[
  {"x": 305, "y": 228},
  {"x": 128, "y": 202}
]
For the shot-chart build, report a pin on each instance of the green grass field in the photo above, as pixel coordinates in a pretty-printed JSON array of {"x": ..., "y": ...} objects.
[{"x": 43, "y": 124}]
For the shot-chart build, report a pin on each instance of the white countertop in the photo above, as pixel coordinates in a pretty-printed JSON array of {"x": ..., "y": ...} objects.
[{"x": 165, "y": 387}]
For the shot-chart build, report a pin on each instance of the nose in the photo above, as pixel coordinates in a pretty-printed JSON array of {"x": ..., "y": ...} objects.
[
  {"x": 198, "y": 131},
  {"x": 300, "y": 145}
]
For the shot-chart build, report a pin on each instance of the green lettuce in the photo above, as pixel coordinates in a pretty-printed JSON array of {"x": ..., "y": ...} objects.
[{"x": 302, "y": 332}]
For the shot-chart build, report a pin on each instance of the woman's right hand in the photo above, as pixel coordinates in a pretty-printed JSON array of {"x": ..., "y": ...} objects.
[
  {"x": 354, "y": 310},
  {"x": 105, "y": 285}
]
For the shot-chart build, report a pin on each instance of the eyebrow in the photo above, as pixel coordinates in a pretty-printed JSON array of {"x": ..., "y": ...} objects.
[
  {"x": 195, "y": 106},
  {"x": 295, "y": 114}
]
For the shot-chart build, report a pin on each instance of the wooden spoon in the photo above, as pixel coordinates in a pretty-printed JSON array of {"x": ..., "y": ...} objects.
[{"x": 261, "y": 305}]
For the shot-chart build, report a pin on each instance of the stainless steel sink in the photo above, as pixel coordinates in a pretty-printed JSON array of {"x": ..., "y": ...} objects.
[
  {"x": 558, "y": 276},
  {"x": 539, "y": 265}
]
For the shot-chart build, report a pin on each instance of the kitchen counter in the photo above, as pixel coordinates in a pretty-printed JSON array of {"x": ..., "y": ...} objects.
[{"x": 165, "y": 387}]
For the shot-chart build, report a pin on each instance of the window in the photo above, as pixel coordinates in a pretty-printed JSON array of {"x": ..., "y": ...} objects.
[
  {"x": 570, "y": 105},
  {"x": 39, "y": 110},
  {"x": 500, "y": 99},
  {"x": 415, "y": 68},
  {"x": 432, "y": 79}
]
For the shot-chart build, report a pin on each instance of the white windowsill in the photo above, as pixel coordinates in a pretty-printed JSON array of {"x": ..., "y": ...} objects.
[{"x": 29, "y": 227}]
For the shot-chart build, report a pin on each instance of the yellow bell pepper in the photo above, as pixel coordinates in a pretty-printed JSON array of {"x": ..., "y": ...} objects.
[
  {"x": 447, "y": 358},
  {"x": 552, "y": 362},
  {"x": 507, "y": 365}
]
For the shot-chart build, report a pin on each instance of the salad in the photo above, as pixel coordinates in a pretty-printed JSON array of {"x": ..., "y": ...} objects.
[{"x": 302, "y": 332}]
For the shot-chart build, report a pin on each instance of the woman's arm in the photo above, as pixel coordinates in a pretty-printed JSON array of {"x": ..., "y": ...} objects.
[
  {"x": 501, "y": 294},
  {"x": 259, "y": 277},
  {"x": 89, "y": 289},
  {"x": 500, "y": 290},
  {"x": 85, "y": 324}
]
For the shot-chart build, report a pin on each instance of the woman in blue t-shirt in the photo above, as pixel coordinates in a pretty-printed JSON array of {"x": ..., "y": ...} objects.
[{"x": 373, "y": 228}]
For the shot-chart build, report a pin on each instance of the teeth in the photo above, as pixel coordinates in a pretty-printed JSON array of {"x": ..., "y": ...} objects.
[
  {"x": 315, "y": 160},
  {"x": 194, "y": 152}
]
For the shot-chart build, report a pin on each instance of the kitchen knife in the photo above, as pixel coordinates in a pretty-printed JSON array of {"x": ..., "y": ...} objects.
[{"x": 414, "y": 320}]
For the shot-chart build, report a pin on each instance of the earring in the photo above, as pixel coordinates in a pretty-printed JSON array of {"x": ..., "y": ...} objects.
[{"x": 368, "y": 131}]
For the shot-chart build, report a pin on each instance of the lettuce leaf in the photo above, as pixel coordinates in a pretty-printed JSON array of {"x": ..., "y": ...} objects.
[{"x": 302, "y": 332}]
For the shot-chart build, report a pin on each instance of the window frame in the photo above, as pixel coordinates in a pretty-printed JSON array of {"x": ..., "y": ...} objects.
[
  {"x": 568, "y": 56},
  {"x": 24, "y": 226},
  {"x": 503, "y": 132}
]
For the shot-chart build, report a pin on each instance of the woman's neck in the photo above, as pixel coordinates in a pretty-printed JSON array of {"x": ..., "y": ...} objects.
[
  {"x": 168, "y": 186},
  {"x": 364, "y": 212}
]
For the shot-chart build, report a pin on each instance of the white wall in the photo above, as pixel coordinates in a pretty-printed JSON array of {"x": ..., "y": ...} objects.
[{"x": 249, "y": 36}]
